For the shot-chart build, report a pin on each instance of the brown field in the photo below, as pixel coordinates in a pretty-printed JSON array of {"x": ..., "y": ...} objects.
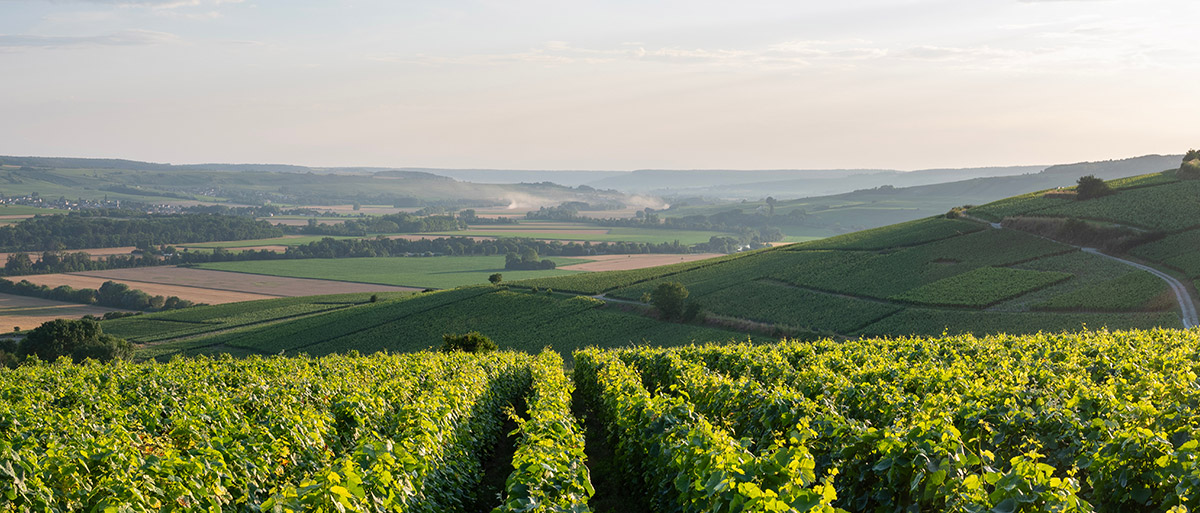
[
  {"x": 628, "y": 262},
  {"x": 194, "y": 294},
  {"x": 239, "y": 282},
  {"x": 205, "y": 286},
  {"x": 28, "y": 313}
]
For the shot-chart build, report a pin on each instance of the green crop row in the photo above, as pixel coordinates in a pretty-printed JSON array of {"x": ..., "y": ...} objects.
[
  {"x": 683, "y": 462},
  {"x": 1096, "y": 421},
  {"x": 1135, "y": 291},
  {"x": 197, "y": 434},
  {"x": 1021, "y": 205},
  {"x": 549, "y": 471},
  {"x": 981, "y": 287}
]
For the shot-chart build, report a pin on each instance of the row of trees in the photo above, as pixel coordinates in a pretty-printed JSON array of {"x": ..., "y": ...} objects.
[
  {"x": 79, "y": 230},
  {"x": 392, "y": 223},
  {"x": 20, "y": 264},
  {"x": 110, "y": 293}
]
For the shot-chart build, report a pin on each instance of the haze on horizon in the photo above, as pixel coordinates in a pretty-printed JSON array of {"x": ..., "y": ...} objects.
[{"x": 540, "y": 84}]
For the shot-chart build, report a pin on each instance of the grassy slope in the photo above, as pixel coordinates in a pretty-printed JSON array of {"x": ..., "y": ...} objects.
[
  {"x": 515, "y": 320},
  {"x": 428, "y": 272},
  {"x": 936, "y": 274}
]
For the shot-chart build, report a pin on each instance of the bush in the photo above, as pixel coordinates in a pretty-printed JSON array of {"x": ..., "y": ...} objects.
[
  {"x": 1091, "y": 187},
  {"x": 668, "y": 298},
  {"x": 473, "y": 342}
]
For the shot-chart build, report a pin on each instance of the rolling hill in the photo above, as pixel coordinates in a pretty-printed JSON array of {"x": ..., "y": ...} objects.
[
  {"x": 964, "y": 275},
  {"x": 997, "y": 268}
]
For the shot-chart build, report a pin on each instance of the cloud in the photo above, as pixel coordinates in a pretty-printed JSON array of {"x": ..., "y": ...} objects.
[{"x": 122, "y": 38}]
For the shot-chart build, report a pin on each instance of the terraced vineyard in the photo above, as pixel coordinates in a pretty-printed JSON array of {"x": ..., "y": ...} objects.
[{"x": 1095, "y": 421}]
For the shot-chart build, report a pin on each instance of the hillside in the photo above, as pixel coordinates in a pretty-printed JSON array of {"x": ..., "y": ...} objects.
[
  {"x": 938, "y": 275},
  {"x": 901, "y": 199},
  {"x": 321, "y": 325},
  {"x": 994, "y": 270}
]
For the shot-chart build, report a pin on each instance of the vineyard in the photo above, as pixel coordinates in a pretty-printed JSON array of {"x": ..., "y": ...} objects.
[
  {"x": 1094, "y": 421},
  {"x": 321, "y": 325}
]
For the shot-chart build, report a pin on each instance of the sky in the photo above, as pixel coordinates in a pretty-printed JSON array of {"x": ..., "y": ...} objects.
[{"x": 612, "y": 85}]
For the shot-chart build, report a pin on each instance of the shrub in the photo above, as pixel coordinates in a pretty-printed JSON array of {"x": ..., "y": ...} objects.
[
  {"x": 1091, "y": 187},
  {"x": 473, "y": 342},
  {"x": 668, "y": 298}
]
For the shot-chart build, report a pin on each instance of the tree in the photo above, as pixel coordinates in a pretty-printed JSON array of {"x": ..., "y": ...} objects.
[
  {"x": 473, "y": 342},
  {"x": 1091, "y": 187},
  {"x": 495, "y": 278},
  {"x": 78, "y": 339},
  {"x": 668, "y": 298},
  {"x": 771, "y": 206}
]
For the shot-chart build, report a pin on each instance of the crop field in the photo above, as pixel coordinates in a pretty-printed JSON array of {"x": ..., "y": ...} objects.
[
  {"x": 916, "y": 424},
  {"x": 1138, "y": 290},
  {"x": 912, "y": 233},
  {"x": 238, "y": 282},
  {"x": 194, "y": 294},
  {"x": 631, "y": 262},
  {"x": 1017, "y": 206},
  {"x": 439, "y": 272},
  {"x": 27, "y": 313},
  {"x": 1140, "y": 207},
  {"x": 1180, "y": 250},
  {"x": 515, "y": 320},
  {"x": 597, "y": 283},
  {"x": 202, "y": 320},
  {"x": 981, "y": 287},
  {"x": 786, "y": 306},
  {"x": 286, "y": 240}
]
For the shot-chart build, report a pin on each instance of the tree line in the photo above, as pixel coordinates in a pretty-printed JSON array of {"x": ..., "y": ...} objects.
[
  {"x": 19, "y": 264},
  {"x": 110, "y": 293},
  {"x": 86, "y": 229}
]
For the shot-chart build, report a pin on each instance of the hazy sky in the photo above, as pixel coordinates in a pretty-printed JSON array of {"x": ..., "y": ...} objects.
[{"x": 615, "y": 84}]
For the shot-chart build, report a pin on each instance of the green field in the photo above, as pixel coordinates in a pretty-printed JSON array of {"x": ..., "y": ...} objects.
[
  {"x": 439, "y": 272},
  {"x": 336, "y": 324}
]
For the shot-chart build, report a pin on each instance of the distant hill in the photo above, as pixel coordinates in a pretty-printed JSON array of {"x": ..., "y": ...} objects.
[
  {"x": 786, "y": 184},
  {"x": 882, "y": 206}
]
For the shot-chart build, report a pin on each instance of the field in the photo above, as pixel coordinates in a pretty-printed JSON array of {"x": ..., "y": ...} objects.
[
  {"x": 336, "y": 324},
  {"x": 630, "y": 262},
  {"x": 425, "y": 272},
  {"x": 207, "y": 286},
  {"x": 27, "y": 313},
  {"x": 1095, "y": 421}
]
